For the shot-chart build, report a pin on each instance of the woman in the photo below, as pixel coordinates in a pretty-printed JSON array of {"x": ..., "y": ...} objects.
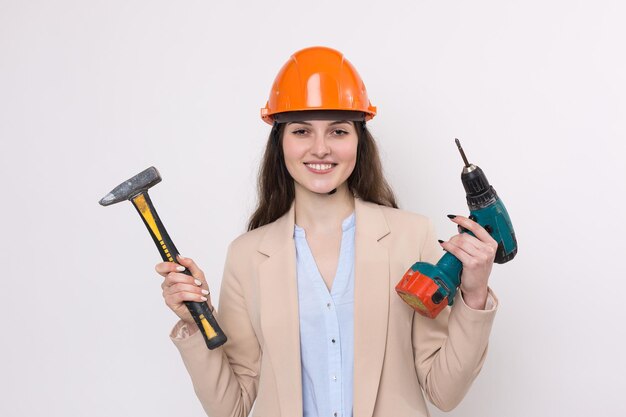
[{"x": 307, "y": 300}]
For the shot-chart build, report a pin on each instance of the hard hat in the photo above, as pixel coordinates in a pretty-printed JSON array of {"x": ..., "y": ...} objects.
[{"x": 317, "y": 78}]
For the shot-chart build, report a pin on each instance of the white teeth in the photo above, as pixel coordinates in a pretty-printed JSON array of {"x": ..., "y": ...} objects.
[{"x": 320, "y": 167}]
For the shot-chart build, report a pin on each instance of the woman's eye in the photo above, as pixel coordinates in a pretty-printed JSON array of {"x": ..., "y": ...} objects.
[
  {"x": 340, "y": 132},
  {"x": 299, "y": 132}
]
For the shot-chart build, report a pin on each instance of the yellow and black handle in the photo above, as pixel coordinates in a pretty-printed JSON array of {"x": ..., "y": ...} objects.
[{"x": 213, "y": 335}]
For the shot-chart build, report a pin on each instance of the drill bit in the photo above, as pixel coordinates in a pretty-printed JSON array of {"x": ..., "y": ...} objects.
[{"x": 458, "y": 144}]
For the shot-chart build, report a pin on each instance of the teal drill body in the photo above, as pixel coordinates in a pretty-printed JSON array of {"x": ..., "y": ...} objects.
[{"x": 447, "y": 272}]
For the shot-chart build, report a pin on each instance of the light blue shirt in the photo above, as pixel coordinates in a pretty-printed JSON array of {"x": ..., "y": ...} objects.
[{"x": 326, "y": 328}]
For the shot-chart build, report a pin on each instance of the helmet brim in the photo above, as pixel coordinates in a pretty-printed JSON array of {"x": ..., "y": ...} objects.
[{"x": 299, "y": 116}]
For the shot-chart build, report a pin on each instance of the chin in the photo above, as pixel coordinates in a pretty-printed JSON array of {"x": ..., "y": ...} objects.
[
  {"x": 327, "y": 188},
  {"x": 321, "y": 188}
]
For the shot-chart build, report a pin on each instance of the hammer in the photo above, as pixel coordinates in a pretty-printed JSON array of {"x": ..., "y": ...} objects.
[{"x": 135, "y": 189}]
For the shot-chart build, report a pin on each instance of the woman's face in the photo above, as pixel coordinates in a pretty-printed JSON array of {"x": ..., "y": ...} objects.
[{"x": 320, "y": 155}]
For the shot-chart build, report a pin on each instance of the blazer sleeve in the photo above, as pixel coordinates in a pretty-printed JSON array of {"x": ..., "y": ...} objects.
[
  {"x": 225, "y": 379},
  {"x": 449, "y": 350}
]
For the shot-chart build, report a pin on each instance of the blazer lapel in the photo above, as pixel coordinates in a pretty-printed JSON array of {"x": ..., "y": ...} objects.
[
  {"x": 371, "y": 305},
  {"x": 279, "y": 312}
]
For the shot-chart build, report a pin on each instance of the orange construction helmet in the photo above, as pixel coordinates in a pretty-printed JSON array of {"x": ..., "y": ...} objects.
[{"x": 317, "y": 78}]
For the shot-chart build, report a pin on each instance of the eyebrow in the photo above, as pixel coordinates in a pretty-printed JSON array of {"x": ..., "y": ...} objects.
[{"x": 309, "y": 124}]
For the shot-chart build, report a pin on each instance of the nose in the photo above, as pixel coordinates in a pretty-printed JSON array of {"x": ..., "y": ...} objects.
[{"x": 320, "y": 147}]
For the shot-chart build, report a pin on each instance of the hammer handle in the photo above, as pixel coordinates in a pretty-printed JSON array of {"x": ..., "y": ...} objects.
[{"x": 204, "y": 318}]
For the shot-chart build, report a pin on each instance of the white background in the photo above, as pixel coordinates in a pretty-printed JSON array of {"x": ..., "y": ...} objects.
[{"x": 92, "y": 92}]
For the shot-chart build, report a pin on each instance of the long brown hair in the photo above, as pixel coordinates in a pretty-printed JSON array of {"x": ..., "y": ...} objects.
[{"x": 276, "y": 189}]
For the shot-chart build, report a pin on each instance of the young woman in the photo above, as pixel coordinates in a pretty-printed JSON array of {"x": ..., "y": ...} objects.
[{"x": 307, "y": 300}]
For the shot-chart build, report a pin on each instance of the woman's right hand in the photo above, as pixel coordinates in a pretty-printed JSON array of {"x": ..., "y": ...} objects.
[{"x": 178, "y": 287}]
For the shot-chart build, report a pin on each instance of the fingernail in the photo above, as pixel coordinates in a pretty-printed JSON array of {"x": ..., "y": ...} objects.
[
  {"x": 181, "y": 256},
  {"x": 197, "y": 281},
  {"x": 180, "y": 268},
  {"x": 439, "y": 240},
  {"x": 451, "y": 216},
  {"x": 203, "y": 298},
  {"x": 205, "y": 292}
]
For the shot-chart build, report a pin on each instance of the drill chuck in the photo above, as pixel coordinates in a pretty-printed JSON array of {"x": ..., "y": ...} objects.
[{"x": 479, "y": 194}]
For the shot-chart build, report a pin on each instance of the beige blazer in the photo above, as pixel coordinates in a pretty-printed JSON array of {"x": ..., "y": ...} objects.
[{"x": 399, "y": 356}]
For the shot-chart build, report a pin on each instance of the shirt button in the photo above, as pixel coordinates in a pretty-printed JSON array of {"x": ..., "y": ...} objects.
[
  {"x": 333, "y": 340},
  {"x": 335, "y": 414},
  {"x": 328, "y": 305},
  {"x": 334, "y": 378}
]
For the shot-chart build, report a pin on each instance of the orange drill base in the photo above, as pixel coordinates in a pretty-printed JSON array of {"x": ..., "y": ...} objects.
[{"x": 417, "y": 290}]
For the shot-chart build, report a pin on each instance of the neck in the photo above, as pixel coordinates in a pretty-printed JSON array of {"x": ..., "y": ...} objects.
[{"x": 322, "y": 212}]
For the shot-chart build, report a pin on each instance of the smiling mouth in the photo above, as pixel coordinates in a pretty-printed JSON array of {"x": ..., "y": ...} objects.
[{"x": 320, "y": 167}]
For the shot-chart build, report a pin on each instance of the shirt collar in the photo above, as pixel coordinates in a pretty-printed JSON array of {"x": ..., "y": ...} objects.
[{"x": 347, "y": 224}]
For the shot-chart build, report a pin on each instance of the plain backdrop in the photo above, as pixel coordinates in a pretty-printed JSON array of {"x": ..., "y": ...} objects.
[{"x": 92, "y": 92}]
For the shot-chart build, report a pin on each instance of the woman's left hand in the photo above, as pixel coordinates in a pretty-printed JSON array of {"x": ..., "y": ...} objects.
[{"x": 477, "y": 254}]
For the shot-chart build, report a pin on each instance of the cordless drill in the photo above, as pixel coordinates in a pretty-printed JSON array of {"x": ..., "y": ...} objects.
[{"x": 429, "y": 288}]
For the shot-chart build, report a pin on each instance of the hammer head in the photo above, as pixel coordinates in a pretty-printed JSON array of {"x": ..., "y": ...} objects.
[{"x": 133, "y": 186}]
